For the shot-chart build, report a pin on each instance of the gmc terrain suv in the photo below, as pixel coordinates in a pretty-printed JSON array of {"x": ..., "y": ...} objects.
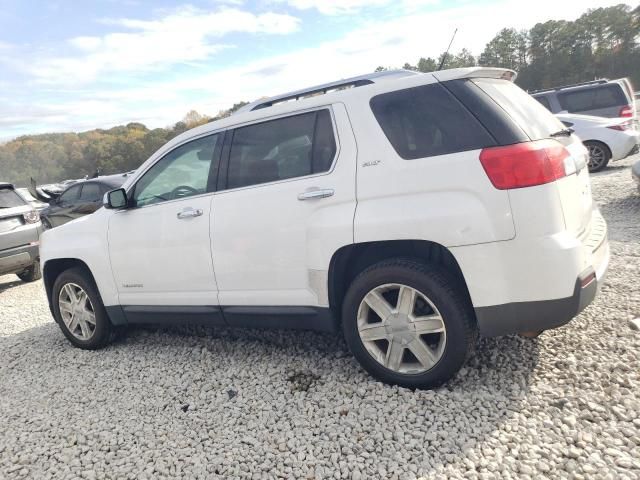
[{"x": 411, "y": 211}]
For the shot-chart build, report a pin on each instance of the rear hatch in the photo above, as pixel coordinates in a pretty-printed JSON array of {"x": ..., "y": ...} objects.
[
  {"x": 12, "y": 218},
  {"x": 537, "y": 123}
]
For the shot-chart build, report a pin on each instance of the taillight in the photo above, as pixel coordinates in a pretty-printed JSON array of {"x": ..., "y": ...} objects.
[
  {"x": 31, "y": 217},
  {"x": 626, "y": 111},
  {"x": 526, "y": 164}
]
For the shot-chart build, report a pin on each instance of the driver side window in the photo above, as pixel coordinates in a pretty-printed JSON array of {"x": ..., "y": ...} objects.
[{"x": 183, "y": 172}]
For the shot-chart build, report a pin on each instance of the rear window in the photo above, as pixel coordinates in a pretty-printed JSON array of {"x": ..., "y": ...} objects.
[
  {"x": 603, "y": 96},
  {"x": 534, "y": 119},
  {"x": 10, "y": 199},
  {"x": 427, "y": 121}
]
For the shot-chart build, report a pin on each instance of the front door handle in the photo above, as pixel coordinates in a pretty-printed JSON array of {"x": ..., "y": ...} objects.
[
  {"x": 190, "y": 213},
  {"x": 316, "y": 193}
]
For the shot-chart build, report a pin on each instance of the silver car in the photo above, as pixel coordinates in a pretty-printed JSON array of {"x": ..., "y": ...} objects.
[{"x": 20, "y": 229}]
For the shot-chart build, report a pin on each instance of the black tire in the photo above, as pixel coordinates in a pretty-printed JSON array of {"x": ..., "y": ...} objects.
[
  {"x": 31, "y": 274},
  {"x": 104, "y": 332},
  {"x": 599, "y": 155},
  {"x": 438, "y": 286}
]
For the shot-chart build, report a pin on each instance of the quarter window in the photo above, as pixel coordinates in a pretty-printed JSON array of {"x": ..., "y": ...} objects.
[
  {"x": 184, "y": 172},
  {"x": 427, "y": 121},
  {"x": 280, "y": 149}
]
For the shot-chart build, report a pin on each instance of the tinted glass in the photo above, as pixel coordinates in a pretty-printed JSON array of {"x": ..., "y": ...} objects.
[
  {"x": 9, "y": 199},
  {"x": 71, "y": 195},
  {"x": 184, "y": 172},
  {"x": 426, "y": 121},
  {"x": 544, "y": 101},
  {"x": 535, "y": 120},
  {"x": 280, "y": 149},
  {"x": 604, "y": 96},
  {"x": 91, "y": 192}
]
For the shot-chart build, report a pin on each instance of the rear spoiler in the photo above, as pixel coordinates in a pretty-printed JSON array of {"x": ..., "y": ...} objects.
[{"x": 475, "y": 72}]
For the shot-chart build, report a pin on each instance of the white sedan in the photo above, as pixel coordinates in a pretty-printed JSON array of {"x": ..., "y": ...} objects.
[{"x": 607, "y": 139}]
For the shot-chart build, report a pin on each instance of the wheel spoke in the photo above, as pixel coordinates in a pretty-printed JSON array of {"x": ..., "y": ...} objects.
[
  {"x": 394, "y": 356},
  {"x": 71, "y": 293},
  {"x": 378, "y": 304},
  {"x": 90, "y": 319},
  {"x": 428, "y": 324},
  {"x": 84, "y": 328},
  {"x": 371, "y": 332},
  {"x": 73, "y": 323},
  {"x": 423, "y": 353},
  {"x": 406, "y": 300}
]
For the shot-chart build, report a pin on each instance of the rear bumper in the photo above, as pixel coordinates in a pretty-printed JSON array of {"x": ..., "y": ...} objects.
[
  {"x": 537, "y": 316},
  {"x": 17, "y": 259}
]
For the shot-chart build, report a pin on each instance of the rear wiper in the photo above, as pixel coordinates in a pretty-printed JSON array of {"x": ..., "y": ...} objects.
[{"x": 565, "y": 132}]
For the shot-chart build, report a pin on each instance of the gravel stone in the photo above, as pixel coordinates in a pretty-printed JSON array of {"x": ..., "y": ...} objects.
[{"x": 204, "y": 403}]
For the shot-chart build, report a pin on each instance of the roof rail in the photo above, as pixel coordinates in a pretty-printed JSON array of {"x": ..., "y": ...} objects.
[
  {"x": 343, "y": 84},
  {"x": 592, "y": 82}
]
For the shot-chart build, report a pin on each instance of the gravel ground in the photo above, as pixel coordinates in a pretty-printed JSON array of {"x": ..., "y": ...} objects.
[{"x": 205, "y": 403}]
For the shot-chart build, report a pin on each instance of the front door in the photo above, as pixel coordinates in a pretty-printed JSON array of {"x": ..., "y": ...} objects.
[{"x": 160, "y": 247}]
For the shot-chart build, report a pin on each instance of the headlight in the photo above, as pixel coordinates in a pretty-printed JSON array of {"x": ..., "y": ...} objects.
[{"x": 31, "y": 217}]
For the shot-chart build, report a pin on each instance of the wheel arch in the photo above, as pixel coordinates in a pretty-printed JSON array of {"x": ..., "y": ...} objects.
[
  {"x": 347, "y": 262},
  {"x": 53, "y": 268}
]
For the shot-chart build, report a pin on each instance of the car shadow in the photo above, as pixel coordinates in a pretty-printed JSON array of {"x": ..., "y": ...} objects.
[
  {"x": 7, "y": 282},
  {"x": 220, "y": 377}
]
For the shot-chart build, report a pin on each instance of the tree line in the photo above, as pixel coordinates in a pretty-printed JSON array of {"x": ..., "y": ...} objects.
[{"x": 601, "y": 43}]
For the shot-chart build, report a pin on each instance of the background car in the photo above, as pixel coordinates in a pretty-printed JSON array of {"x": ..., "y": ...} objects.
[
  {"x": 635, "y": 173},
  {"x": 606, "y": 138},
  {"x": 601, "y": 98},
  {"x": 80, "y": 199},
  {"x": 20, "y": 230}
]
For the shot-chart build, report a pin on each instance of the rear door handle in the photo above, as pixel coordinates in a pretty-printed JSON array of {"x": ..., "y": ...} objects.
[
  {"x": 316, "y": 193},
  {"x": 190, "y": 213}
]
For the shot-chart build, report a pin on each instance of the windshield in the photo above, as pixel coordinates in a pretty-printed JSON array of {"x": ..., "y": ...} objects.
[
  {"x": 535, "y": 120},
  {"x": 10, "y": 199}
]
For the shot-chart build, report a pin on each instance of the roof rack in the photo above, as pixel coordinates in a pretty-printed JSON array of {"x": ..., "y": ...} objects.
[
  {"x": 343, "y": 84},
  {"x": 592, "y": 82}
]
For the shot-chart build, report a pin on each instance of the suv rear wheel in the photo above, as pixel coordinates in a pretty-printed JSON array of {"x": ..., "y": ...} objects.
[
  {"x": 79, "y": 310},
  {"x": 408, "y": 324},
  {"x": 31, "y": 274}
]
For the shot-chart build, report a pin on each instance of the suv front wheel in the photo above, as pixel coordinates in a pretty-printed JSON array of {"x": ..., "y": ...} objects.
[
  {"x": 79, "y": 310},
  {"x": 408, "y": 323}
]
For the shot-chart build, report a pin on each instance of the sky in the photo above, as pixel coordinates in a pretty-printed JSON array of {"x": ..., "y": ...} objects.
[{"x": 68, "y": 65}]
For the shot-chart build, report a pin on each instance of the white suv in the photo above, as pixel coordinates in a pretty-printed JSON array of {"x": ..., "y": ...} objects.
[{"x": 411, "y": 211}]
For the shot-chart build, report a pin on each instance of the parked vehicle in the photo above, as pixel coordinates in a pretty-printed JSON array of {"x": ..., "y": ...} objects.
[
  {"x": 600, "y": 98},
  {"x": 606, "y": 139},
  {"x": 20, "y": 230},
  {"x": 34, "y": 202},
  {"x": 412, "y": 211},
  {"x": 80, "y": 199},
  {"x": 635, "y": 174}
]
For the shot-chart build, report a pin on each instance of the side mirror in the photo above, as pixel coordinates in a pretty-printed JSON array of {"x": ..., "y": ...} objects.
[{"x": 115, "y": 199}]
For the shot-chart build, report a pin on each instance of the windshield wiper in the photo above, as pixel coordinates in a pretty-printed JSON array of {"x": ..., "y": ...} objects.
[{"x": 565, "y": 132}]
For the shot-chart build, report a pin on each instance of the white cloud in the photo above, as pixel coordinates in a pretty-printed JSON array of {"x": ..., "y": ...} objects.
[
  {"x": 190, "y": 35},
  {"x": 342, "y": 7}
]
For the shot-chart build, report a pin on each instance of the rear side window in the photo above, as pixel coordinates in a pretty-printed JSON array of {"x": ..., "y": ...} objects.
[
  {"x": 534, "y": 119},
  {"x": 426, "y": 121},
  {"x": 604, "y": 96},
  {"x": 10, "y": 199},
  {"x": 91, "y": 192},
  {"x": 280, "y": 149},
  {"x": 544, "y": 101}
]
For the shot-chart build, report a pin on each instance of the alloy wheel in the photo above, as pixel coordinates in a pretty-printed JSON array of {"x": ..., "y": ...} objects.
[
  {"x": 401, "y": 328},
  {"x": 77, "y": 311},
  {"x": 597, "y": 156}
]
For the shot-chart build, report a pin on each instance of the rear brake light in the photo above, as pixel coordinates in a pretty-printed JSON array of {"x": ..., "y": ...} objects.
[
  {"x": 31, "y": 217},
  {"x": 526, "y": 164},
  {"x": 626, "y": 111}
]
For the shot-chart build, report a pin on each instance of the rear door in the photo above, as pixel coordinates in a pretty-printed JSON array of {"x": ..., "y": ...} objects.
[
  {"x": 536, "y": 121},
  {"x": 287, "y": 204}
]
